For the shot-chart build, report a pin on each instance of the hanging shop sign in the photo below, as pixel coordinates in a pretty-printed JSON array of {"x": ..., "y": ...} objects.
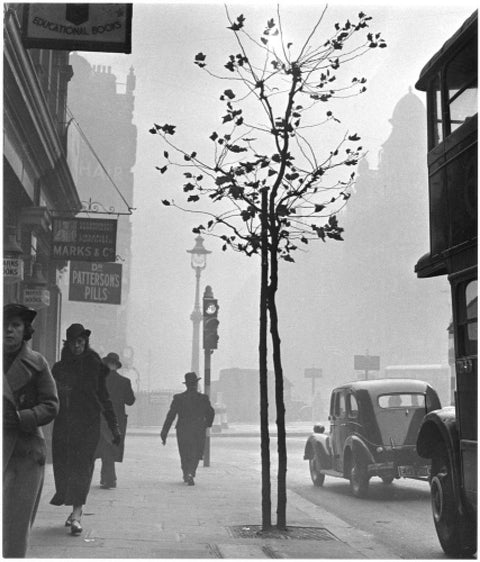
[
  {"x": 100, "y": 283},
  {"x": 84, "y": 239},
  {"x": 12, "y": 268},
  {"x": 78, "y": 27},
  {"x": 36, "y": 297}
]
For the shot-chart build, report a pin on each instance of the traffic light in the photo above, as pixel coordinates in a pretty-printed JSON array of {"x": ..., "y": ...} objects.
[{"x": 210, "y": 323}]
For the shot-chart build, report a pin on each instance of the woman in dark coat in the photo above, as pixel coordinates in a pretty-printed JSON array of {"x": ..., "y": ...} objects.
[
  {"x": 80, "y": 377},
  {"x": 29, "y": 401}
]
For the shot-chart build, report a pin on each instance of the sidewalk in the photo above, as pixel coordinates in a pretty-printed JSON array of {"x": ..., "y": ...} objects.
[
  {"x": 297, "y": 429},
  {"x": 152, "y": 514}
]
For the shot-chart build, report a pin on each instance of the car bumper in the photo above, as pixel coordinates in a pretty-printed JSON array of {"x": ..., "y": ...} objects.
[{"x": 391, "y": 469}]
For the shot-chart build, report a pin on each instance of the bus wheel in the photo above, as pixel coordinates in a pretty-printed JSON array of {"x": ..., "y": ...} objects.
[
  {"x": 317, "y": 477},
  {"x": 359, "y": 478},
  {"x": 448, "y": 521}
]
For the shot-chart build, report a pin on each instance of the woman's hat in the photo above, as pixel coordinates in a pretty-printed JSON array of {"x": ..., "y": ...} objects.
[
  {"x": 191, "y": 378},
  {"x": 113, "y": 358},
  {"x": 77, "y": 331},
  {"x": 24, "y": 312}
]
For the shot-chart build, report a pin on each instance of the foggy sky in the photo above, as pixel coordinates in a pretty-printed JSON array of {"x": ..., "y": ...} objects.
[{"x": 171, "y": 89}]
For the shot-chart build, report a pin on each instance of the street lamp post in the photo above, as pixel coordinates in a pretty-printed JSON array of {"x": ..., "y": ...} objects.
[{"x": 198, "y": 262}]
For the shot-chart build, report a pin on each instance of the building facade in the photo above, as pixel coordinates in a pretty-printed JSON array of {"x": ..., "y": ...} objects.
[{"x": 37, "y": 178}]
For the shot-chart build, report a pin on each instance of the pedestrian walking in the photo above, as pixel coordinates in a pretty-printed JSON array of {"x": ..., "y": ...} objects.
[
  {"x": 194, "y": 414},
  {"x": 29, "y": 401},
  {"x": 121, "y": 394},
  {"x": 80, "y": 376}
]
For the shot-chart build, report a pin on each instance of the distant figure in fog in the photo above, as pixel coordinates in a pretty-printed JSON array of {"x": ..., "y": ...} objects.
[
  {"x": 195, "y": 414},
  {"x": 80, "y": 376},
  {"x": 121, "y": 394},
  {"x": 29, "y": 401}
]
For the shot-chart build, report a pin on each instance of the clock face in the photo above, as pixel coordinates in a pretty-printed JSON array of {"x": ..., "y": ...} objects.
[{"x": 211, "y": 309}]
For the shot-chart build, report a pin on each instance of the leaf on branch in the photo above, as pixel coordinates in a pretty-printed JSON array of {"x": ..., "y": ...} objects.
[
  {"x": 222, "y": 179},
  {"x": 264, "y": 41},
  {"x": 193, "y": 198},
  {"x": 238, "y": 24},
  {"x": 165, "y": 154},
  {"x": 319, "y": 208},
  {"x": 236, "y": 148},
  {"x": 354, "y": 137},
  {"x": 161, "y": 170},
  {"x": 304, "y": 240},
  {"x": 166, "y": 202},
  {"x": 288, "y": 257},
  {"x": 188, "y": 187},
  {"x": 229, "y": 94},
  {"x": 199, "y": 60},
  {"x": 213, "y": 136}
]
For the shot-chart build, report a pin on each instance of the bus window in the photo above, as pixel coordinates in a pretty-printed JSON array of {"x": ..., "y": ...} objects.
[
  {"x": 467, "y": 318},
  {"x": 461, "y": 82},
  {"x": 435, "y": 109},
  {"x": 471, "y": 299}
]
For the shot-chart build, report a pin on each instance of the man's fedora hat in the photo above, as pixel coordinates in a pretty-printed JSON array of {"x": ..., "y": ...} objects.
[
  {"x": 75, "y": 331},
  {"x": 24, "y": 312},
  {"x": 191, "y": 378},
  {"x": 112, "y": 358}
]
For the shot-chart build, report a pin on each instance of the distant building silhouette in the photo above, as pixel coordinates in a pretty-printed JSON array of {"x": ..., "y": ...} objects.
[
  {"x": 362, "y": 294},
  {"x": 107, "y": 123}
]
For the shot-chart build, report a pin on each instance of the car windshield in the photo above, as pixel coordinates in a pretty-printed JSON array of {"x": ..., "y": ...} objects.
[{"x": 402, "y": 400}]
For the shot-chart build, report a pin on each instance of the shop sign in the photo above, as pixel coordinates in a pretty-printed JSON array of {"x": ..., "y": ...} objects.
[
  {"x": 36, "y": 298},
  {"x": 12, "y": 269},
  {"x": 100, "y": 283},
  {"x": 78, "y": 27},
  {"x": 84, "y": 239}
]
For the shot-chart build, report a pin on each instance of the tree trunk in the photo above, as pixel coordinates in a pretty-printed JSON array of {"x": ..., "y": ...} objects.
[
  {"x": 279, "y": 398},
  {"x": 263, "y": 369}
]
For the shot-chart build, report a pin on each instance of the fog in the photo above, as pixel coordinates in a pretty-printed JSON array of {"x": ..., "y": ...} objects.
[{"x": 339, "y": 299}]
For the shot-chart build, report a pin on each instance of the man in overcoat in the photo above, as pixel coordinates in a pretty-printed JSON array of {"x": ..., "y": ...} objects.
[
  {"x": 121, "y": 394},
  {"x": 195, "y": 414}
]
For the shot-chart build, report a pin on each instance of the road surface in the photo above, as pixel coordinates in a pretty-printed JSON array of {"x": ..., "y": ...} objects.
[{"x": 398, "y": 515}]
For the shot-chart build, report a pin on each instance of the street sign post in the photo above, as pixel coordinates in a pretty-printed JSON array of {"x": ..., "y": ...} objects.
[
  {"x": 366, "y": 363},
  {"x": 313, "y": 374}
]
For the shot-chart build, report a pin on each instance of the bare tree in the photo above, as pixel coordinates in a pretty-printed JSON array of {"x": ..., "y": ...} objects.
[{"x": 272, "y": 184}]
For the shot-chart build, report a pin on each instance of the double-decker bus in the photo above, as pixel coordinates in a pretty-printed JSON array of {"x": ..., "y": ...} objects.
[{"x": 449, "y": 436}]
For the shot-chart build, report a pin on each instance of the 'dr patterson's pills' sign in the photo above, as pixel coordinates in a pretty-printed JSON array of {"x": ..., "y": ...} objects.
[
  {"x": 78, "y": 27},
  {"x": 84, "y": 239},
  {"x": 100, "y": 283}
]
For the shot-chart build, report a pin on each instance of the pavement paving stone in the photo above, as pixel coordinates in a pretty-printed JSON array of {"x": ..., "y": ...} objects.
[{"x": 153, "y": 514}]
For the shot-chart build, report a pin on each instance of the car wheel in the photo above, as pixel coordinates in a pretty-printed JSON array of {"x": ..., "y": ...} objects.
[
  {"x": 317, "y": 477},
  {"x": 387, "y": 480},
  {"x": 359, "y": 479},
  {"x": 451, "y": 527}
]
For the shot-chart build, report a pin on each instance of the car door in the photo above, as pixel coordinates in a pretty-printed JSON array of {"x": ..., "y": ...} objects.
[{"x": 339, "y": 428}]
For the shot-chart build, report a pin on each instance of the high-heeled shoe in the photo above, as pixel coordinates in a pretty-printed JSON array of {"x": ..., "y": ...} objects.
[
  {"x": 68, "y": 522},
  {"x": 75, "y": 527}
]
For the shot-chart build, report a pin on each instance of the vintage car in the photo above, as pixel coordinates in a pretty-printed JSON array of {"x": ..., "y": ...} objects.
[{"x": 373, "y": 432}]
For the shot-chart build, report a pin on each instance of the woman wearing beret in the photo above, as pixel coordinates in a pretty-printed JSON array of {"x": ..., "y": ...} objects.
[
  {"x": 80, "y": 376},
  {"x": 29, "y": 401}
]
